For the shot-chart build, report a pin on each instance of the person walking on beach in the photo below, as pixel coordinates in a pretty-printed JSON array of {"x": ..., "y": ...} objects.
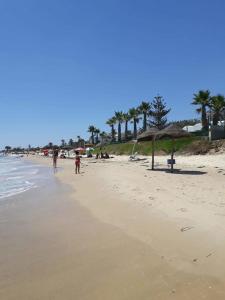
[
  {"x": 55, "y": 157},
  {"x": 77, "y": 162}
]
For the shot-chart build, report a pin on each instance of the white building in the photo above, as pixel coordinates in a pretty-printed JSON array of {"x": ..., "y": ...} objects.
[{"x": 193, "y": 128}]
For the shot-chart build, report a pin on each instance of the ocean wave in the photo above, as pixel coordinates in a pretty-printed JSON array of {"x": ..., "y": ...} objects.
[
  {"x": 14, "y": 177},
  {"x": 14, "y": 192},
  {"x": 18, "y": 176}
]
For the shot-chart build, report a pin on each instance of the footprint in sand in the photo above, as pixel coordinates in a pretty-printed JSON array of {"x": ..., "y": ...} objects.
[
  {"x": 136, "y": 190},
  {"x": 219, "y": 214},
  {"x": 208, "y": 255},
  {"x": 186, "y": 228},
  {"x": 183, "y": 209}
]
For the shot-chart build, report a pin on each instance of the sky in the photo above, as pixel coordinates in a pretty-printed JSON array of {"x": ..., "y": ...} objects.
[{"x": 65, "y": 65}]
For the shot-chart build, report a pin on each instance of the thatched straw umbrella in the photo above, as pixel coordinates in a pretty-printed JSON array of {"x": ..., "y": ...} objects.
[
  {"x": 173, "y": 131},
  {"x": 149, "y": 135}
]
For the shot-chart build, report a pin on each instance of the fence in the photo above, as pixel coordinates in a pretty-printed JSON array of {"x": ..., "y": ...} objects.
[{"x": 218, "y": 132}]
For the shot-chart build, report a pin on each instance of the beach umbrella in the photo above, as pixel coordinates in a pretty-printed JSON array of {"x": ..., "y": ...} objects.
[
  {"x": 149, "y": 135},
  {"x": 172, "y": 131},
  {"x": 80, "y": 149},
  {"x": 90, "y": 149}
]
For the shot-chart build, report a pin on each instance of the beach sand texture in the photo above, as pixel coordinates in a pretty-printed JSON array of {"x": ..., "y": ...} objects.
[{"x": 118, "y": 231}]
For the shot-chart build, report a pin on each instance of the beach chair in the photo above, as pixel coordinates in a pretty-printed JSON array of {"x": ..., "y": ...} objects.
[{"x": 134, "y": 157}]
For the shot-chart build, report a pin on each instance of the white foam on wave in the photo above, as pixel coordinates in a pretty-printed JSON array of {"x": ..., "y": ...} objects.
[
  {"x": 13, "y": 193},
  {"x": 17, "y": 176},
  {"x": 16, "y": 191},
  {"x": 13, "y": 178}
]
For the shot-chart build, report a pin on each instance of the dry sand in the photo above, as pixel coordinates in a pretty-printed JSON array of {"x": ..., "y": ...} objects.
[{"x": 121, "y": 232}]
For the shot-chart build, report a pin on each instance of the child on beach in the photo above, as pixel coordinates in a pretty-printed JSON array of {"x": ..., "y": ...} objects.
[{"x": 77, "y": 162}]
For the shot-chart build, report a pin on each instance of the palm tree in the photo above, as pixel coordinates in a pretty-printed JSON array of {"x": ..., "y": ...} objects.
[
  {"x": 71, "y": 142},
  {"x": 79, "y": 141},
  {"x": 111, "y": 122},
  {"x": 202, "y": 98},
  {"x": 126, "y": 119},
  {"x": 134, "y": 113},
  {"x": 217, "y": 104},
  {"x": 144, "y": 109},
  {"x": 91, "y": 129},
  {"x": 7, "y": 148},
  {"x": 97, "y": 131},
  {"x": 103, "y": 135},
  {"x": 62, "y": 143},
  {"x": 119, "y": 119}
]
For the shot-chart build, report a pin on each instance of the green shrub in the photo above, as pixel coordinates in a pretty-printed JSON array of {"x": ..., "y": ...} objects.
[{"x": 145, "y": 148}]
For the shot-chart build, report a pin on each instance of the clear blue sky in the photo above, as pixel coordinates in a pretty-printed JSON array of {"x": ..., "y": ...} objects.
[{"x": 67, "y": 64}]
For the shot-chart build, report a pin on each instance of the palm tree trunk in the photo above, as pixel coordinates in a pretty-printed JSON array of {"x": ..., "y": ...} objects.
[
  {"x": 204, "y": 118},
  {"x": 126, "y": 124},
  {"x": 92, "y": 137},
  {"x": 119, "y": 132},
  {"x": 144, "y": 121},
  {"x": 113, "y": 133},
  {"x": 135, "y": 129}
]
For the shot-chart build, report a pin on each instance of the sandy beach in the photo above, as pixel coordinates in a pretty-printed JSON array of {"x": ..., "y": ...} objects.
[{"x": 119, "y": 231}]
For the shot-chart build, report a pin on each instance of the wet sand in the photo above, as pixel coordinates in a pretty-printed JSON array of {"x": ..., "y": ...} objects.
[
  {"x": 113, "y": 232},
  {"x": 52, "y": 248}
]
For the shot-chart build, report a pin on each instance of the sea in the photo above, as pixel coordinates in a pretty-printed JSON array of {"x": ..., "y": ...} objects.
[{"x": 19, "y": 176}]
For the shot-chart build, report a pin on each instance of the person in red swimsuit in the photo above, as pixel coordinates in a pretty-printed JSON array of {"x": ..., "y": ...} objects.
[{"x": 77, "y": 162}]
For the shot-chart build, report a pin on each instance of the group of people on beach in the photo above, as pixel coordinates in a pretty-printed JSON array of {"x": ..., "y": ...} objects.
[
  {"x": 102, "y": 155},
  {"x": 77, "y": 160}
]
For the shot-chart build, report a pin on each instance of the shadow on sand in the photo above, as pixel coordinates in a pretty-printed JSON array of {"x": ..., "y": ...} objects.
[{"x": 179, "y": 171}]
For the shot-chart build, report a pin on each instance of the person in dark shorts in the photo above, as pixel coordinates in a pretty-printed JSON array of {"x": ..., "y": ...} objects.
[
  {"x": 55, "y": 157},
  {"x": 106, "y": 155},
  {"x": 77, "y": 162}
]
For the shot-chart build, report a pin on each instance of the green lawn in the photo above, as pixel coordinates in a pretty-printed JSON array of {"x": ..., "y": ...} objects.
[{"x": 145, "y": 148}]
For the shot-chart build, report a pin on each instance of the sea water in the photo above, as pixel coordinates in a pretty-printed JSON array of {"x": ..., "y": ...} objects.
[{"x": 18, "y": 176}]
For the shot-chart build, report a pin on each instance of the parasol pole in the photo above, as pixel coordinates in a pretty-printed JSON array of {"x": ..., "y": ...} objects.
[
  {"x": 153, "y": 152},
  {"x": 172, "y": 155},
  {"x": 133, "y": 148}
]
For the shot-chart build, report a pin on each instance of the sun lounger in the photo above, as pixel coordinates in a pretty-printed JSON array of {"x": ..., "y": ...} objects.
[{"x": 134, "y": 157}]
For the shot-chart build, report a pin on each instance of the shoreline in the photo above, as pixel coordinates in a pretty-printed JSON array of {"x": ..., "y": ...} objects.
[{"x": 150, "y": 233}]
